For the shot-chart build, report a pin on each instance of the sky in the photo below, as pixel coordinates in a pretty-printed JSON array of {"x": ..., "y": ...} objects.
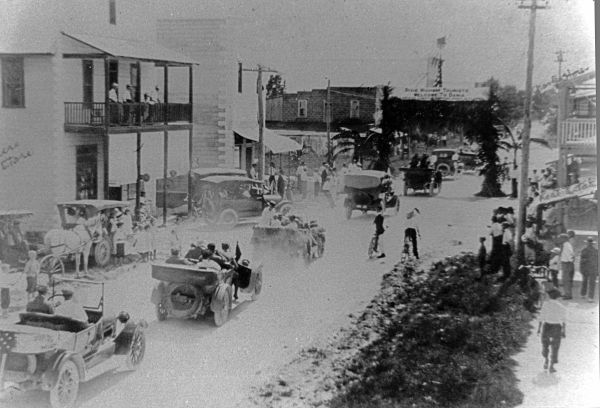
[{"x": 369, "y": 42}]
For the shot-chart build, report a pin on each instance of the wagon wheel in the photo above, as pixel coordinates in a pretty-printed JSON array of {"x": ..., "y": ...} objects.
[
  {"x": 102, "y": 252},
  {"x": 221, "y": 315},
  {"x": 228, "y": 218},
  {"x": 51, "y": 265},
  {"x": 64, "y": 392}
]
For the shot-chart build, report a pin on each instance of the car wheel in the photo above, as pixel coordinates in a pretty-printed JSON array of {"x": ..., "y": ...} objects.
[
  {"x": 102, "y": 252},
  {"x": 136, "y": 350},
  {"x": 284, "y": 208},
  {"x": 221, "y": 315},
  {"x": 161, "y": 312},
  {"x": 64, "y": 392},
  {"x": 228, "y": 218}
]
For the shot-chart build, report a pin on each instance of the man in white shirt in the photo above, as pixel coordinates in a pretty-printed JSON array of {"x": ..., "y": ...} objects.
[
  {"x": 70, "y": 308},
  {"x": 116, "y": 109},
  {"x": 302, "y": 175},
  {"x": 553, "y": 325},
  {"x": 411, "y": 231},
  {"x": 567, "y": 264}
]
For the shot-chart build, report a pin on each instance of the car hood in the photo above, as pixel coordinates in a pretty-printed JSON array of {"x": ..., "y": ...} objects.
[{"x": 18, "y": 338}]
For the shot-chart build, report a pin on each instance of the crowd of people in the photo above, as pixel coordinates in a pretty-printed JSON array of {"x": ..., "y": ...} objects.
[{"x": 123, "y": 109}]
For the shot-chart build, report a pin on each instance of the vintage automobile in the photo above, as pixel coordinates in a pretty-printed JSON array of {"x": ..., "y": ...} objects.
[
  {"x": 74, "y": 240},
  {"x": 369, "y": 190},
  {"x": 427, "y": 180},
  {"x": 56, "y": 353},
  {"x": 308, "y": 243},
  {"x": 190, "y": 291},
  {"x": 226, "y": 199},
  {"x": 448, "y": 167}
]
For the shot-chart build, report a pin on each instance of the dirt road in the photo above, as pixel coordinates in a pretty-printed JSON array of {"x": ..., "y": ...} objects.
[{"x": 193, "y": 363}]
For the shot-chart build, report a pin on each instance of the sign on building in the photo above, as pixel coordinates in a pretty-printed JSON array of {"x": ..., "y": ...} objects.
[{"x": 445, "y": 94}]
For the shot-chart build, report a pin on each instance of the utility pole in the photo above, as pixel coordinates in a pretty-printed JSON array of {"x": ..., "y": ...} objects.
[
  {"x": 261, "y": 115},
  {"x": 328, "y": 120},
  {"x": 560, "y": 60},
  {"x": 523, "y": 184}
]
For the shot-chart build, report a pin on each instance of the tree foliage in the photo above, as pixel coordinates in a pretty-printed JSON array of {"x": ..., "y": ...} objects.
[{"x": 275, "y": 86}]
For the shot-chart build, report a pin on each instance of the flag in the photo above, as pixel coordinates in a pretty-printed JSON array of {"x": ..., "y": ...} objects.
[
  {"x": 441, "y": 42},
  {"x": 238, "y": 251},
  {"x": 7, "y": 342}
]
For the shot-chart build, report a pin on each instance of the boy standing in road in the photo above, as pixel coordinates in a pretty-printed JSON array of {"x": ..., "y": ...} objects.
[{"x": 552, "y": 324}]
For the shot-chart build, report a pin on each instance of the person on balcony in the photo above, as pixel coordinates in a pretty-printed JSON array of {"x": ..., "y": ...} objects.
[
  {"x": 116, "y": 109},
  {"x": 127, "y": 100}
]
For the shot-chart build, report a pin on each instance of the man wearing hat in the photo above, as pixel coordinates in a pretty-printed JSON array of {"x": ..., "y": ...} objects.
[
  {"x": 39, "y": 303},
  {"x": 267, "y": 214},
  {"x": 195, "y": 252},
  {"x": 588, "y": 266},
  {"x": 553, "y": 325},
  {"x": 567, "y": 265},
  {"x": 554, "y": 265},
  {"x": 71, "y": 308}
]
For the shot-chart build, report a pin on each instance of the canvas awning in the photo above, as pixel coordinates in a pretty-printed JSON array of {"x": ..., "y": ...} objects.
[
  {"x": 137, "y": 50},
  {"x": 274, "y": 142}
]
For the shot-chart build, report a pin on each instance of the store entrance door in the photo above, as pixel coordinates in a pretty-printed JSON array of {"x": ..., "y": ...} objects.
[{"x": 86, "y": 172}]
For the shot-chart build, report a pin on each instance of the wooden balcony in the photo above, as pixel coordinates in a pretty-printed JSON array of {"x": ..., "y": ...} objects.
[{"x": 89, "y": 117}]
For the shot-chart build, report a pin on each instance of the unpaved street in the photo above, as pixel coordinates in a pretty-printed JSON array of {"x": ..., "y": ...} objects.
[{"x": 192, "y": 363}]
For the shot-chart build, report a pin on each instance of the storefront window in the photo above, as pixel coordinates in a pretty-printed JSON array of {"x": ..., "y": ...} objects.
[{"x": 87, "y": 172}]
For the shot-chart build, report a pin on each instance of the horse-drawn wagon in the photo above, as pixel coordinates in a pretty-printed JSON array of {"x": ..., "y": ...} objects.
[
  {"x": 191, "y": 291},
  {"x": 369, "y": 190},
  {"x": 85, "y": 231}
]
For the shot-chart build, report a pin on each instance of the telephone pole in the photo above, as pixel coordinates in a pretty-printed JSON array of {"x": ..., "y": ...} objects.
[
  {"x": 261, "y": 115},
  {"x": 328, "y": 120},
  {"x": 560, "y": 60},
  {"x": 523, "y": 185}
]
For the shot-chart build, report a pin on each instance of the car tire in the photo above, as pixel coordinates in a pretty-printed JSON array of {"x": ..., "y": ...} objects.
[
  {"x": 102, "y": 252},
  {"x": 444, "y": 169},
  {"x": 64, "y": 392},
  {"x": 137, "y": 349},
  {"x": 228, "y": 218}
]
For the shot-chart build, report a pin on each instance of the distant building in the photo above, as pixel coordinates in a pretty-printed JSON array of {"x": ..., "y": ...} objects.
[{"x": 307, "y": 110}]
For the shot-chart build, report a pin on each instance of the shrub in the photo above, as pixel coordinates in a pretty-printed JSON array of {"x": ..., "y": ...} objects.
[{"x": 446, "y": 336}]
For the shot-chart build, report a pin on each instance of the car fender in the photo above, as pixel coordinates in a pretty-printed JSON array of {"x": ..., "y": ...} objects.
[
  {"x": 123, "y": 340},
  {"x": 50, "y": 376}
]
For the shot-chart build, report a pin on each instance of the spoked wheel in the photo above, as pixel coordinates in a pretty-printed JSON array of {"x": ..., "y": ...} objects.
[
  {"x": 372, "y": 246},
  {"x": 102, "y": 251},
  {"x": 257, "y": 285},
  {"x": 64, "y": 392},
  {"x": 221, "y": 315},
  {"x": 51, "y": 265},
  {"x": 161, "y": 312},
  {"x": 136, "y": 350}
]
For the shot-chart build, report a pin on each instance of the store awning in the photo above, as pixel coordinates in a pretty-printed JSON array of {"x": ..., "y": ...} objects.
[
  {"x": 137, "y": 50},
  {"x": 274, "y": 142}
]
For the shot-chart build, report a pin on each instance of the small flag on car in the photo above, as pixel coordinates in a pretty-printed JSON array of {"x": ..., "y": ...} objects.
[{"x": 238, "y": 251}]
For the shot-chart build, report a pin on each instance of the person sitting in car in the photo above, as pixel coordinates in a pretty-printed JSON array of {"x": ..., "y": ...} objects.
[
  {"x": 216, "y": 256},
  {"x": 207, "y": 262},
  {"x": 39, "y": 304},
  {"x": 176, "y": 259},
  {"x": 70, "y": 307},
  {"x": 195, "y": 252}
]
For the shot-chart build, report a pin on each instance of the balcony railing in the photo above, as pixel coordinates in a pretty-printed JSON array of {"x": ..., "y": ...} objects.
[
  {"x": 577, "y": 131},
  {"x": 126, "y": 114}
]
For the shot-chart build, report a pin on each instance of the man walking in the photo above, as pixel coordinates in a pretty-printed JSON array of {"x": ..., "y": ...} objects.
[
  {"x": 567, "y": 264},
  {"x": 553, "y": 325},
  {"x": 588, "y": 266},
  {"x": 412, "y": 229}
]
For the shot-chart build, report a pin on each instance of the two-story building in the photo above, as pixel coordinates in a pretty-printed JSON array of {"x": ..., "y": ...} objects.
[
  {"x": 307, "y": 110},
  {"x": 74, "y": 120}
]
